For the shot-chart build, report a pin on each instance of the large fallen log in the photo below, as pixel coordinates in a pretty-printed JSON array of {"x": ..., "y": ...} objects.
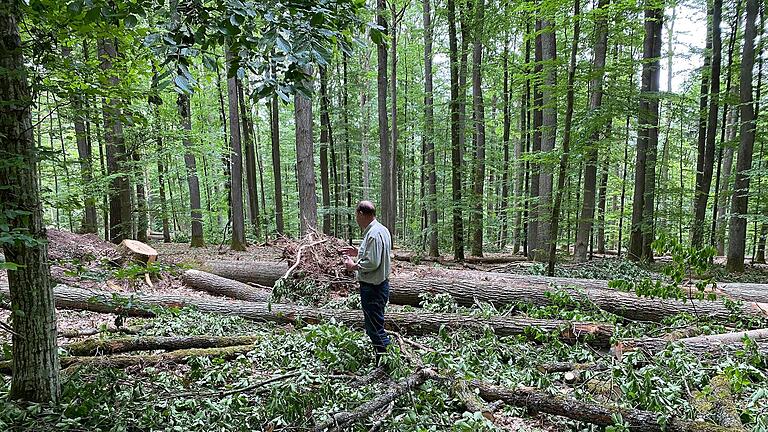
[
  {"x": 258, "y": 272},
  {"x": 344, "y": 420},
  {"x": 408, "y": 289},
  {"x": 601, "y": 415},
  {"x": 488, "y": 259},
  {"x": 418, "y": 323},
  {"x": 92, "y": 347},
  {"x": 100, "y": 301},
  {"x": 701, "y": 346},
  {"x": 123, "y": 361},
  {"x": 214, "y": 284},
  {"x": 266, "y": 273}
]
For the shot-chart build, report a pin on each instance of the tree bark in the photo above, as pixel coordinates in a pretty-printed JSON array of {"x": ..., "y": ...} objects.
[
  {"x": 236, "y": 187},
  {"x": 428, "y": 139},
  {"x": 585, "y": 225},
  {"x": 214, "y": 284},
  {"x": 715, "y": 345},
  {"x": 190, "y": 163},
  {"x": 737, "y": 234},
  {"x": 506, "y": 128},
  {"x": 548, "y": 135},
  {"x": 478, "y": 117},
  {"x": 325, "y": 126},
  {"x": 601, "y": 203},
  {"x": 142, "y": 216},
  {"x": 456, "y": 133},
  {"x": 534, "y": 167},
  {"x": 563, "y": 169},
  {"x": 642, "y": 233},
  {"x": 95, "y": 347},
  {"x": 161, "y": 176},
  {"x": 384, "y": 146},
  {"x": 305, "y": 160},
  {"x": 120, "y": 225},
  {"x": 539, "y": 401},
  {"x": 35, "y": 360},
  {"x": 252, "y": 188},
  {"x": 274, "y": 127},
  {"x": 416, "y": 323},
  {"x": 702, "y": 188}
]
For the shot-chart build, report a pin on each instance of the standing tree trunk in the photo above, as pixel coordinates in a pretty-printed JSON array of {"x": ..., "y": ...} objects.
[
  {"x": 384, "y": 147},
  {"x": 429, "y": 132},
  {"x": 325, "y": 130},
  {"x": 274, "y": 128},
  {"x": 236, "y": 187},
  {"x": 523, "y": 144},
  {"x": 478, "y": 116},
  {"x": 506, "y": 127},
  {"x": 249, "y": 138},
  {"x": 393, "y": 168},
  {"x": 563, "y": 168},
  {"x": 190, "y": 163},
  {"x": 35, "y": 355},
  {"x": 737, "y": 233},
  {"x": 142, "y": 219},
  {"x": 535, "y": 167},
  {"x": 119, "y": 188},
  {"x": 458, "y": 223},
  {"x": 725, "y": 180},
  {"x": 347, "y": 164},
  {"x": 85, "y": 156},
  {"x": 641, "y": 234},
  {"x": 161, "y": 175},
  {"x": 548, "y": 134},
  {"x": 703, "y": 186},
  {"x": 585, "y": 225},
  {"x": 601, "y": 202},
  {"x": 305, "y": 160}
]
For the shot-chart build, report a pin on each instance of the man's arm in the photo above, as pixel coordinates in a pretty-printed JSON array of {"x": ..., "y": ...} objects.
[{"x": 371, "y": 259}]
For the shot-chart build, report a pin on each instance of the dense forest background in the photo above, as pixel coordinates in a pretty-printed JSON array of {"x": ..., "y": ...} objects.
[{"x": 144, "y": 128}]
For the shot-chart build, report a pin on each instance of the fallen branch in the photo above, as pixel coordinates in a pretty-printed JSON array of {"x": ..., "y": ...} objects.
[
  {"x": 601, "y": 415},
  {"x": 123, "y": 361},
  {"x": 92, "y": 347},
  {"x": 298, "y": 257},
  {"x": 236, "y": 390},
  {"x": 345, "y": 420}
]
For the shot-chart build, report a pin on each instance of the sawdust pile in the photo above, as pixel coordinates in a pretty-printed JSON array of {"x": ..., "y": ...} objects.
[{"x": 67, "y": 246}]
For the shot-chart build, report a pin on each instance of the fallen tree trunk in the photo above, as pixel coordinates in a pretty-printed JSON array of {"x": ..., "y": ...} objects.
[
  {"x": 123, "y": 361},
  {"x": 76, "y": 333},
  {"x": 501, "y": 291},
  {"x": 92, "y": 347},
  {"x": 418, "y": 323},
  {"x": 709, "y": 345},
  {"x": 637, "y": 420},
  {"x": 100, "y": 301},
  {"x": 258, "y": 272},
  {"x": 718, "y": 402},
  {"x": 488, "y": 259},
  {"x": 214, "y": 284},
  {"x": 346, "y": 419}
]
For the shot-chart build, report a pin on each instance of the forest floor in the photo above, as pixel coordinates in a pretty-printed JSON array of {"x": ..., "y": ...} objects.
[{"x": 320, "y": 369}]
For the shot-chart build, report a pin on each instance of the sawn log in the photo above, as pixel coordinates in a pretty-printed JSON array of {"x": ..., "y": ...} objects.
[
  {"x": 214, "y": 284},
  {"x": 92, "y": 347},
  {"x": 702, "y": 346}
]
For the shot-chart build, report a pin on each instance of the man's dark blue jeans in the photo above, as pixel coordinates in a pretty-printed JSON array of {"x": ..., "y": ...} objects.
[{"x": 374, "y": 299}]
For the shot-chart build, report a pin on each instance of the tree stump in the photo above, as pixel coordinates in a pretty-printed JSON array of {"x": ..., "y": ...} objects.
[{"x": 139, "y": 252}]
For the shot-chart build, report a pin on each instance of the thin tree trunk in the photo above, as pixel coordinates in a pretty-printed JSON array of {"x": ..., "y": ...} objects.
[
  {"x": 702, "y": 190},
  {"x": 506, "y": 127},
  {"x": 161, "y": 176},
  {"x": 347, "y": 162},
  {"x": 142, "y": 218},
  {"x": 428, "y": 139},
  {"x": 384, "y": 145},
  {"x": 648, "y": 119},
  {"x": 585, "y": 224},
  {"x": 274, "y": 127},
  {"x": 563, "y": 171},
  {"x": 184, "y": 106},
  {"x": 238, "y": 221},
  {"x": 35, "y": 354},
  {"x": 456, "y": 133},
  {"x": 225, "y": 156},
  {"x": 601, "y": 202},
  {"x": 478, "y": 118},
  {"x": 305, "y": 160},
  {"x": 325, "y": 126},
  {"x": 535, "y": 167},
  {"x": 252, "y": 187},
  {"x": 737, "y": 234}
]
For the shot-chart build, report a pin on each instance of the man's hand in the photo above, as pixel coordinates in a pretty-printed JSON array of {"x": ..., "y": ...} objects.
[
  {"x": 349, "y": 263},
  {"x": 349, "y": 251}
]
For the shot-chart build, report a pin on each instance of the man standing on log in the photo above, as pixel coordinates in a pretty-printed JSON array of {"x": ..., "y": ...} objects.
[{"x": 372, "y": 270}]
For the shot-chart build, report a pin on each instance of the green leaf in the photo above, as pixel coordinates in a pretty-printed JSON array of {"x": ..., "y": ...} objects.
[
  {"x": 182, "y": 83},
  {"x": 130, "y": 21},
  {"x": 8, "y": 266}
]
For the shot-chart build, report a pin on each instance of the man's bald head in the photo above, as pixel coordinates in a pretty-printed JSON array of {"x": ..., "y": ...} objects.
[{"x": 366, "y": 207}]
